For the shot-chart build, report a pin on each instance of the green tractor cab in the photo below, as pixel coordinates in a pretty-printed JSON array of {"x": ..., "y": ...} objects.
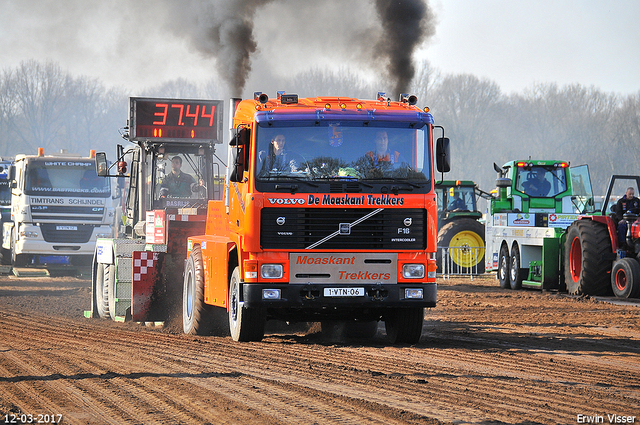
[{"x": 460, "y": 232}]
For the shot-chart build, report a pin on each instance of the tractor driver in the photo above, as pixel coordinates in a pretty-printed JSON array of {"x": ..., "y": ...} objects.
[
  {"x": 176, "y": 184},
  {"x": 628, "y": 203},
  {"x": 456, "y": 203},
  {"x": 538, "y": 186}
]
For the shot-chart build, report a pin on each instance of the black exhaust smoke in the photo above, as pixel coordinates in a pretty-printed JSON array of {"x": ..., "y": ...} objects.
[
  {"x": 406, "y": 24},
  {"x": 224, "y": 30}
]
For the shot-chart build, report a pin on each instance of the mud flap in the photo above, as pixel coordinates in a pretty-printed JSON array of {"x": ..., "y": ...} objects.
[{"x": 146, "y": 265}]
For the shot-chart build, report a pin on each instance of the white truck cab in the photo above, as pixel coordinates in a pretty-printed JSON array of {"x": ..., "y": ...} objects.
[{"x": 59, "y": 207}]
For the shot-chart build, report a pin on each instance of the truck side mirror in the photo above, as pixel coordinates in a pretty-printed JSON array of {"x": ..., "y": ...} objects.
[
  {"x": 12, "y": 177},
  {"x": 102, "y": 168},
  {"x": 239, "y": 148},
  {"x": 443, "y": 155}
]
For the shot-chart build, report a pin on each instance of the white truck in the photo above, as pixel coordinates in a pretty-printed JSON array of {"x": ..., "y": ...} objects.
[{"x": 59, "y": 207}]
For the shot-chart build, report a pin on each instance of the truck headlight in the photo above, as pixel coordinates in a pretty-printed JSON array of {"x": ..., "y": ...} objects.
[
  {"x": 413, "y": 293},
  {"x": 28, "y": 234},
  {"x": 271, "y": 271},
  {"x": 103, "y": 235},
  {"x": 270, "y": 294},
  {"x": 413, "y": 271}
]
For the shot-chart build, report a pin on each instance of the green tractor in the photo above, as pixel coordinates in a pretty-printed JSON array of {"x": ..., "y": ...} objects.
[{"x": 460, "y": 233}]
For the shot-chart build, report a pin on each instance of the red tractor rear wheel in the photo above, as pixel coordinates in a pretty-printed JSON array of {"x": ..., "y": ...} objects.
[
  {"x": 587, "y": 256},
  {"x": 625, "y": 278}
]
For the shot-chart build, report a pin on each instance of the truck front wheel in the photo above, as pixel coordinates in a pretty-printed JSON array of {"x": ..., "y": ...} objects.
[
  {"x": 515, "y": 272},
  {"x": 196, "y": 317},
  {"x": 245, "y": 324},
  {"x": 100, "y": 294},
  {"x": 404, "y": 325},
  {"x": 503, "y": 268},
  {"x": 110, "y": 289},
  {"x": 625, "y": 278}
]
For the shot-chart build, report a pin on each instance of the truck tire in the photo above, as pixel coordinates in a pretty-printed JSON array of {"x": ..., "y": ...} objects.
[
  {"x": 6, "y": 256},
  {"x": 17, "y": 260},
  {"x": 100, "y": 294},
  {"x": 625, "y": 278},
  {"x": 516, "y": 273},
  {"x": 464, "y": 239},
  {"x": 196, "y": 315},
  {"x": 587, "y": 262},
  {"x": 404, "y": 325},
  {"x": 110, "y": 289},
  {"x": 245, "y": 324},
  {"x": 503, "y": 268}
]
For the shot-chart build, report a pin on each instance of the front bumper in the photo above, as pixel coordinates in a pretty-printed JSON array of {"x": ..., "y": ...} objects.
[{"x": 312, "y": 296}]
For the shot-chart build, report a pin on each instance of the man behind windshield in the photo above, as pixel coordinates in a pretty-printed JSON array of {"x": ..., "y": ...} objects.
[
  {"x": 177, "y": 184},
  {"x": 537, "y": 185},
  {"x": 277, "y": 159}
]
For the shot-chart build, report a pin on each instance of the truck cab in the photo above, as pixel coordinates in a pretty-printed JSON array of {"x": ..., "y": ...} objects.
[
  {"x": 59, "y": 207},
  {"x": 5, "y": 203},
  {"x": 329, "y": 215}
]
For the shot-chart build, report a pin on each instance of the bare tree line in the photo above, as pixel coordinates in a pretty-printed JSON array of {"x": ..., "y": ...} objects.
[{"x": 43, "y": 106}]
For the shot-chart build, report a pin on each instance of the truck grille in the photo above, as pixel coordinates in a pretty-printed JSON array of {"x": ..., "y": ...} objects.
[
  {"x": 81, "y": 235},
  {"x": 304, "y": 228},
  {"x": 76, "y": 213}
]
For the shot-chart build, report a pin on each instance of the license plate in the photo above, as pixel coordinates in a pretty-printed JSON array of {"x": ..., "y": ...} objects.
[
  {"x": 66, "y": 227},
  {"x": 344, "y": 292}
]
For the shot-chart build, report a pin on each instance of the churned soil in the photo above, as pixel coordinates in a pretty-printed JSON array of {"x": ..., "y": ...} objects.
[{"x": 487, "y": 356}]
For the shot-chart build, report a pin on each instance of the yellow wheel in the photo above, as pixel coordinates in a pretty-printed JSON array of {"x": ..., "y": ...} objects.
[
  {"x": 466, "y": 248},
  {"x": 461, "y": 247}
]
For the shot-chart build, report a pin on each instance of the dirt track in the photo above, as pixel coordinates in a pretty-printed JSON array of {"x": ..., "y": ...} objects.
[{"x": 486, "y": 356}]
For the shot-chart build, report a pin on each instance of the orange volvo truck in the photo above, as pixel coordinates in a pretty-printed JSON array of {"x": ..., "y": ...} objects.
[{"x": 328, "y": 215}]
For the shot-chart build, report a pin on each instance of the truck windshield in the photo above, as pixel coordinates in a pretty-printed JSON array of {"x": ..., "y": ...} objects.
[
  {"x": 68, "y": 177},
  {"x": 460, "y": 198},
  {"x": 541, "y": 181},
  {"x": 180, "y": 178},
  {"x": 330, "y": 151}
]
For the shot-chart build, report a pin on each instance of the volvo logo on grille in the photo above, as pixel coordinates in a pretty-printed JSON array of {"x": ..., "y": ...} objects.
[
  {"x": 280, "y": 221},
  {"x": 345, "y": 228},
  {"x": 408, "y": 221}
]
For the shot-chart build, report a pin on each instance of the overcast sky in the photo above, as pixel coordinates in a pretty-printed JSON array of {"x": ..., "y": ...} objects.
[{"x": 511, "y": 42}]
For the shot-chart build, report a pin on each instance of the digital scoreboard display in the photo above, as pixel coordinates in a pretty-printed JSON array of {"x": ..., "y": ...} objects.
[{"x": 175, "y": 119}]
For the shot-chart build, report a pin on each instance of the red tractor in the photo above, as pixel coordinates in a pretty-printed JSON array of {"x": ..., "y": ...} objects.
[{"x": 595, "y": 262}]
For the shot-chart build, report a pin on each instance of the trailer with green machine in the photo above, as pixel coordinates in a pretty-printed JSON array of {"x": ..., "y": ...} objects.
[{"x": 526, "y": 225}]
